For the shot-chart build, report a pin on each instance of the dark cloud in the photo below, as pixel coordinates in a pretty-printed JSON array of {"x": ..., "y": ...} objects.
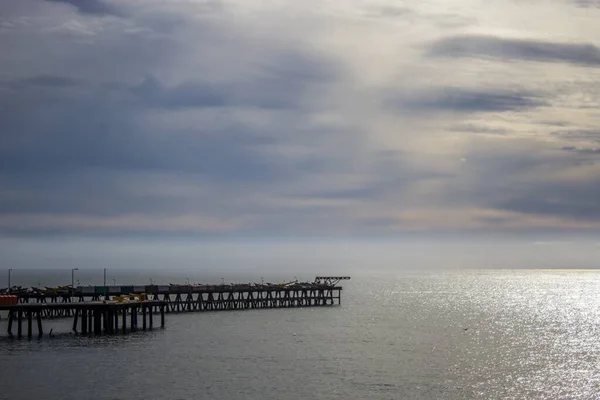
[
  {"x": 81, "y": 154},
  {"x": 473, "y": 128},
  {"x": 391, "y": 175},
  {"x": 578, "y": 134},
  {"x": 412, "y": 15},
  {"x": 493, "y": 220},
  {"x": 190, "y": 94},
  {"x": 52, "y": 81},
  {"x": 91, "y": 7},
  {"x": 522, "y": 180},
  {"x": 284, "y": 81},
  {"x": 395, "y": 11},
  {"x": 581, "y": 150},
  {"x": 586, "y": 3},
  {"x": 554, "y": 123},
  {"x": 516, "y": 49},
  {"x": 60, "y": 134},
  {"x": 83, "y": 146},
  {"x": 493, "y": 171},
  {"x": 468, "y": 101},
  {"x": 572, "y": 200}
]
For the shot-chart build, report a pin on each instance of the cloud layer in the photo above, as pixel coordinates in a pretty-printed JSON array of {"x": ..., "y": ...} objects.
[
  {"x": 516, "y": 49},
  {"x": 354, "y": 118}
]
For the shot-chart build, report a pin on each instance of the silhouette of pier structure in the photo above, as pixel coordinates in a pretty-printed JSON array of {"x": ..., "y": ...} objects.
[
  {"x": 88, "y": 317},
  {"x": 93, "y": 308}
]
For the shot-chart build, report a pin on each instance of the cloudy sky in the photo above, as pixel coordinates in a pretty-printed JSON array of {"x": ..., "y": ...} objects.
[{"x": 329, "y": 118}]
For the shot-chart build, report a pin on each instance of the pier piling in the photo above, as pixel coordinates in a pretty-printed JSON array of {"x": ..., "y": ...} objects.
[
  {"x": 143, "y": 317},
  {"x": 11, "y": 314},
  {"x": 39, "y": 324},
  {"x": 84, "y": 322},
  {"x": 29, "y": 324},
  {"x": 19, "y": 323},
  {"x": 124, "y": 325},
  {"x": 75, "y": 321},
  {"x": 88, "y": 317}
]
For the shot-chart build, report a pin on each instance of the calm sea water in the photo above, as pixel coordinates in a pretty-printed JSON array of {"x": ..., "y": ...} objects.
[{"x": 453, "y": 335}]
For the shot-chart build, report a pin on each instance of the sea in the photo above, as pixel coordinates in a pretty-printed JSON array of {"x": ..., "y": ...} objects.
[{"x": 453, "y": 334}]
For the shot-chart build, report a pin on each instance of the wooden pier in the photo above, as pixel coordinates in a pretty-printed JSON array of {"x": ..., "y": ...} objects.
[
  {"x": 96, "y": 317},
  {"x": 94, "y": 312},
  {"x": 324, "y": 291}
]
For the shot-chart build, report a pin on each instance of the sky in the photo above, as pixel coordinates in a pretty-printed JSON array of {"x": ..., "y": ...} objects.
[{"x": 362, "y": 118}]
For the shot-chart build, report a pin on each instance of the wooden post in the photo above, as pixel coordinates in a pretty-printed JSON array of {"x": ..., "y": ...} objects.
[
  {"x": 109, "y": 321},
  {"x": 84, "y": 321},
  {"x": 75, "y": 319},
  {"x": 90, "y": 319},
  {"x": 143, "y": 317},
  {"x": 116, "y": 326},
  {"x": 150, "y": 319},
  {"x": 97, "y": 321},
  {"x": 39, "y": 323},
  {"x": 132, "y": 318},
  {"x": 29, "y": 323},
  {"x": 10, "y": 322},
  {"x": 162, "y": 316},
  {"x": 124, "y": 319},
  {"x": 19, "y": 324}
]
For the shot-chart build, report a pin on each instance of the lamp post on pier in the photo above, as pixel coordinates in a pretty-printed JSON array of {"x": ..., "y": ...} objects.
[
  {"x": 105, "y": 287},
  {"x": 10, "y": 269},
  {"x": 73, "y": 278}
]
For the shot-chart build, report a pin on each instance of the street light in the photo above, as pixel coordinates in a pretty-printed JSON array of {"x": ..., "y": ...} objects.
[
  {"x": 10, "y": 269},
  {"x": 105, "y": 287},
  {"x": 73, "y": 278}
]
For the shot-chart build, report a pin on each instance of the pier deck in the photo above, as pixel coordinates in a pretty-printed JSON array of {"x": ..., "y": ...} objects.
[
  {"x": 190, "y": 298},
  {"x": 94, "y": 312},
  {"x": 181, "y": 300}
]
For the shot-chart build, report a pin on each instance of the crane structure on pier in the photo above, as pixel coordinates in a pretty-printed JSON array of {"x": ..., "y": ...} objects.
[{"x": 330, "y": 280}]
